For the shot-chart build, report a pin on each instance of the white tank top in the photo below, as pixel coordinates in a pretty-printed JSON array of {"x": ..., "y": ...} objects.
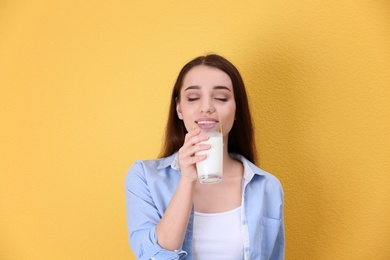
[{"x": 218, "y": 236}]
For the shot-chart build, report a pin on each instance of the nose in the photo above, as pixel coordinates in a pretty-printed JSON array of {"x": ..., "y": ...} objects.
[{"x": 207, "y": 107}]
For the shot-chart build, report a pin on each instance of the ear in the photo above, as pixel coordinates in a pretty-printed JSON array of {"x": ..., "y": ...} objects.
[{"x": 178, "y": 110}]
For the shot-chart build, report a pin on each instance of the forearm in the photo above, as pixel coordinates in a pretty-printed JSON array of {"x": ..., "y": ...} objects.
[{"x": 173, "y": 225}]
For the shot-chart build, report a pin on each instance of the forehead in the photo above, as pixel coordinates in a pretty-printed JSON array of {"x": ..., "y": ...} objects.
[{"x": 207, "y": 76}]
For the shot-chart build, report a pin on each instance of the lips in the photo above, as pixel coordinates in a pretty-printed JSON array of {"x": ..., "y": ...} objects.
[{"x": 206, "y": 123}]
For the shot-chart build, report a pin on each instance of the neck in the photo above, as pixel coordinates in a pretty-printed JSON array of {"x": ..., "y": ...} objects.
[{"x": 228, "y": 162}]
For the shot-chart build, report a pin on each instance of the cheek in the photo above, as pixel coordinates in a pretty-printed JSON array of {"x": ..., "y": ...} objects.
[
  {"x": 228, "y": 119},
  {"x": 187, "y": 118},
  {"x": 227, "y": 127}
]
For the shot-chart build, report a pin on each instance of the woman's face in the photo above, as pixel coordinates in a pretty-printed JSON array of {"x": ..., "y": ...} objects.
[{"x": 207, "y": 96}]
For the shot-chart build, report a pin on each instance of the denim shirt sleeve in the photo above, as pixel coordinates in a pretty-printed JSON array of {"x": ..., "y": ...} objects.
[
  {"x": 143, "y": 217},
  {"x": 279, "y": 248}
]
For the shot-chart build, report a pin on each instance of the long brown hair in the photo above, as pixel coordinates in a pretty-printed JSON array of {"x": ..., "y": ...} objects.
[{"x": 241, "y": 136}]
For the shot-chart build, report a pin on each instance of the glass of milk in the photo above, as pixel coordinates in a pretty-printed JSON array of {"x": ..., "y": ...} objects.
[{"x": 210, "y": 170}]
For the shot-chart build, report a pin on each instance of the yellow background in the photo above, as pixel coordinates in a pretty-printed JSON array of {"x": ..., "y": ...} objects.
[{"x": 84, "y": 90}]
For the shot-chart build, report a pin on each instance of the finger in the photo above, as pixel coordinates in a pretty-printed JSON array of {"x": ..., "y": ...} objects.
[
  {"x": 193, "y": 140},
  {"x": 191, "y": 150},
  {"x": 187, "y": 153},
  {"x": 198, "y": 148},
  {"x": 190, "y": 161},
  {"x": 198, "y": 158},
  {"x": 193, "y": 133}
]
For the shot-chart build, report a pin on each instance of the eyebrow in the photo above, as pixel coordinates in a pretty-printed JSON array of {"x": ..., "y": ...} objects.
[{"x": 215, "y": 87}]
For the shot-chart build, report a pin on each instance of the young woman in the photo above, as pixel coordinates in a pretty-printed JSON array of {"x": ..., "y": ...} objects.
[{"x": 171, "y": 215}]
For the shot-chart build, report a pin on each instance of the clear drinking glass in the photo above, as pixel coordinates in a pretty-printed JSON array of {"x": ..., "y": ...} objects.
[{"x": 210, "y": 170}]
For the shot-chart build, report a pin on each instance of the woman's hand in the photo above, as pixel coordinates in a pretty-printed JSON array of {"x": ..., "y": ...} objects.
[
  {"x": 187, "y": 157},
  {"x": 172, "y": 227}
]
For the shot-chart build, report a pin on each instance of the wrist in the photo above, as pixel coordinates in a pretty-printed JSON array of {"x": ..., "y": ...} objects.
[{"x": 187, "y": 182}]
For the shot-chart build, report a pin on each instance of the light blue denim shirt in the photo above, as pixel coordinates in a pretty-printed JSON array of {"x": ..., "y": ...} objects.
[{"x": 151, "y": 184}]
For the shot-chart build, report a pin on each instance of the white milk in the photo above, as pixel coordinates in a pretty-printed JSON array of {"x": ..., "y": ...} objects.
[{"x": 210, "y": 170}]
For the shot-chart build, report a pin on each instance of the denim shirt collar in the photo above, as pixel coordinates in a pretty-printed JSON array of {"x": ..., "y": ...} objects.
[{"x": 171, "y": 160}]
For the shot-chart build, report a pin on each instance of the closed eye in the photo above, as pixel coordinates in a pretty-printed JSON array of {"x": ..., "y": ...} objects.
[
  {"x": 222, "y": 99},
  {"x": 192, "y": 99}
]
